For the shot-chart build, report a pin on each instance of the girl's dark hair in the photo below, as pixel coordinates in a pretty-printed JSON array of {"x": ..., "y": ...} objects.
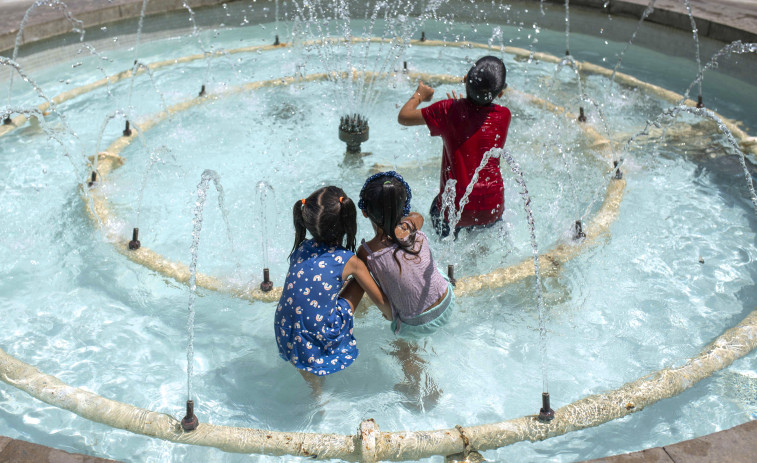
[
  {"x": 485, "y": 80},
  {"x": 329, "y": 215},
  {"x": 383, "y": 201}
]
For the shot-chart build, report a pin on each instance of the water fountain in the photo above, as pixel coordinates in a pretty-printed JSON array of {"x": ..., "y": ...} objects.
[{"x": 119, "y": 310}]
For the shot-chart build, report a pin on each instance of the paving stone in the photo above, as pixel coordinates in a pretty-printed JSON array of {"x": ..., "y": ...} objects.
[
  {"x": 735, "y": 445},
  {"x": 654, "y": 455}
]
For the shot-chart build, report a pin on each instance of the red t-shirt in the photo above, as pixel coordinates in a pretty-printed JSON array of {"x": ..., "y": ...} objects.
[{"x": 469, "y": 131}]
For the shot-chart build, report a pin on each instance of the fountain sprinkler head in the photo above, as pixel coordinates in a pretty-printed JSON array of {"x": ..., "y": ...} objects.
[
  {"x": 567, "y": 52},
  {"x": 202, "y": 90},
  {"x": 546, "y": 414},
  {"x": 7, "y": 120},
  {"x": 127, "y": 130},
  {"x": 618, "y": 173},
  {"x": 404, "y": 66},
  {"x": 578, "y": 231},
  {"x": 700, "y": 104},
  {"x": 134, "y": 244},
  {"x": 267, "y": 284},
  {"x": 276, "y": 41},
  {"x": 423, "y": 36},
  {"x": 92, "y": 179},
  {"x": 581, "y": 115},
  {"x": 190, "y": 422},
  {"x": 353, "y": 130},
  {"x": 451, "y": 274}
]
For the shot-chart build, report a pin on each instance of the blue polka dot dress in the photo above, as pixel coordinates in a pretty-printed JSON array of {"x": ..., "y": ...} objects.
[{"x": 313, "y": 324}]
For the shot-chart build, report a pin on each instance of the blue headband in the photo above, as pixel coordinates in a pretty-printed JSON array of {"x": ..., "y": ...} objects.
[{"x": 391, "y": 173}]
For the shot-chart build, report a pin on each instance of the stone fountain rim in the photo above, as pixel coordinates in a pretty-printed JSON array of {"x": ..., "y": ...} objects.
[{"x": 369, "y": 443}]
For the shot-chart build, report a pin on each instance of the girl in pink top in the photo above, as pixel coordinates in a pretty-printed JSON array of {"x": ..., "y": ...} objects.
[{"x": 420, "y": 297}]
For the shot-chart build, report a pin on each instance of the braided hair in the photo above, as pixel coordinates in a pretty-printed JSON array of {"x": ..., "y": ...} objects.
[{"x": 329, "y": 215}]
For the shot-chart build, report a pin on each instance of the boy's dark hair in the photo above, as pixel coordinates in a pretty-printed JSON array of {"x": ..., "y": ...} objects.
[
  {"x": 485, "y": 80},
  {"x": 383, "y": 200},
  {"x": 329, "y": 215}
]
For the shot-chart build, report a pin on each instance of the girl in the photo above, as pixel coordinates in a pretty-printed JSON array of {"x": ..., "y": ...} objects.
[
  {"x": 399, "y": 258},
  {"x": 313, "y": 321}
]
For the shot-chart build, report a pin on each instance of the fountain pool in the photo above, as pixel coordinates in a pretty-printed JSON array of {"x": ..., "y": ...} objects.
[{"x": 671, "y": 271}]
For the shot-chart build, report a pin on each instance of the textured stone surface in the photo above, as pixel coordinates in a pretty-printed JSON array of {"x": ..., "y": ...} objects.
[{"x": 18, "y": 451}]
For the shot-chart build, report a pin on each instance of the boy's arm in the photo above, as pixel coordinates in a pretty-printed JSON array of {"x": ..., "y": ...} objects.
[{"x": 409, "y": 113}]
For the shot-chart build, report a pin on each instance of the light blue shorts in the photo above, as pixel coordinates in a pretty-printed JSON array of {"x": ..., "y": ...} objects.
[{"x": 418, "y": 327}]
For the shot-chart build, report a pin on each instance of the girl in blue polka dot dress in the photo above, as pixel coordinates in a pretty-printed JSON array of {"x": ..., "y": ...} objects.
[{"x": 314, "y": 317}]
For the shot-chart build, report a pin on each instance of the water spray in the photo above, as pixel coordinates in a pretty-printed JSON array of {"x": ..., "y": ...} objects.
[
  {"x": 581, "y": 115},
  {"x": 134, "y": 244},
  {"x": 267, "y": 284},
  {"x": 127, "y": 130},
  {"x": 546, "y": 414},
  {"x": 578, "y": 231},
  {"x": 190, "y": 421},
  {"x": 202, "y": 91}
]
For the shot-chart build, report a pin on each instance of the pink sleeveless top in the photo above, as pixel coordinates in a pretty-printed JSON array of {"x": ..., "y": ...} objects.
[{"x": 419, "y": 285}]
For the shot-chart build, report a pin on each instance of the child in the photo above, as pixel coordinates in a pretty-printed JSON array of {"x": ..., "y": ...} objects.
[
  {"x": 399, "y": 258},
  {"x": 313, "y": 321},
  {"x": 469, "y": 128}
]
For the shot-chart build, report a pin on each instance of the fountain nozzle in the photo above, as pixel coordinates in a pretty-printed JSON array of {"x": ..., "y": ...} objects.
[
  {"x": 700, "y": 104},
  {"x": 546, "y": 414},
  {"x": 353, "y": 130},
  {"x": 578, "y": 231},
  {"x": 423, "y": 36},
  {"x": 92, "y": 179},
  {"x": 202, "y": 90},
  {"x": 190, "y": 422},
  {"x": 404, "y": 66},
  {"x": 267, "y": 284},
  {"x": 7, "y": 120},
  {"x": 581, "y": 115},
  {"x": 127, "y": 130},
  {"x": 618, "y": 173},
  {"x": 451, "y": 274},
  {"x": 134, "y": 244},
  {"x": 276, "y": 41}
]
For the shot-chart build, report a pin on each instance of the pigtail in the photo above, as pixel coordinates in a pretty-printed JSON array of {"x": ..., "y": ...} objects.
[
  {"x": 299, "y": 224},
  {"x": 348, "y": 218}
]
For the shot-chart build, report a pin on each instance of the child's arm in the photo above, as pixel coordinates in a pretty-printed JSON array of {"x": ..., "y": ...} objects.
[
  {"x": 410, "y": 114},
  {"x": 359, "y": 271}
]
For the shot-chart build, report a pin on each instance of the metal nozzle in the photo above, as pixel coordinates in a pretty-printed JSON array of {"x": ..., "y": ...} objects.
[
  {"x": 267, "y": 284},
  {"x": 546, "y": 414},
  {"x": 190, "y": 421},
  {"x": 134, "y": 243}
]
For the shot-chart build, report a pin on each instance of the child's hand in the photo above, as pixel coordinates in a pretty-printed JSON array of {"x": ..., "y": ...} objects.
[
  {"x": 425, "y": 92},
  {"x": 454, "y": 96}
]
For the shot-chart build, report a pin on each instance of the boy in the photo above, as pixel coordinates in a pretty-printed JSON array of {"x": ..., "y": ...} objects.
[{"x": 469, "y": 127}]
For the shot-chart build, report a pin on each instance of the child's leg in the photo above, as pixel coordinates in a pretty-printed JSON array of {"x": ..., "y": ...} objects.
[
  {"x": 415, "y": 387},
  {"x": 314, "y": 381}
]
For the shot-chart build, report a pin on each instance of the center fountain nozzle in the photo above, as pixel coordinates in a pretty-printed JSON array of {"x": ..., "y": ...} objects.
[
  {"x": 700, "y": 103},
  {"x": 581, "y": 115},
  {"x": 423, "y": 36},
  {"x": 276, "y": 41},
  {"x": 267, "y": 284},
  {"x": 451, "y": 274},
  {"x": 92, "y": 179},
  {"x": 7, "y": 120},
  {"x": 353, "y": 130},
  {"x": 546, "y": 414},
  {"x": 578, "y": 231},
  {"x": 127, "y": 130},
  {"x": 202, "y": 90},
  {"x": 134, "y": 244},
  {"x": 190, "y": 422}
]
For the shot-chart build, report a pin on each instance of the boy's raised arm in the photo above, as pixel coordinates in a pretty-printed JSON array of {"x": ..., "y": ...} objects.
[{"x": 409, "y": 113}]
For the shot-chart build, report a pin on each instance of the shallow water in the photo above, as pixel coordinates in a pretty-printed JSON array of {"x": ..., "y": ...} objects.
[{"x": 637, "y": 301}]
